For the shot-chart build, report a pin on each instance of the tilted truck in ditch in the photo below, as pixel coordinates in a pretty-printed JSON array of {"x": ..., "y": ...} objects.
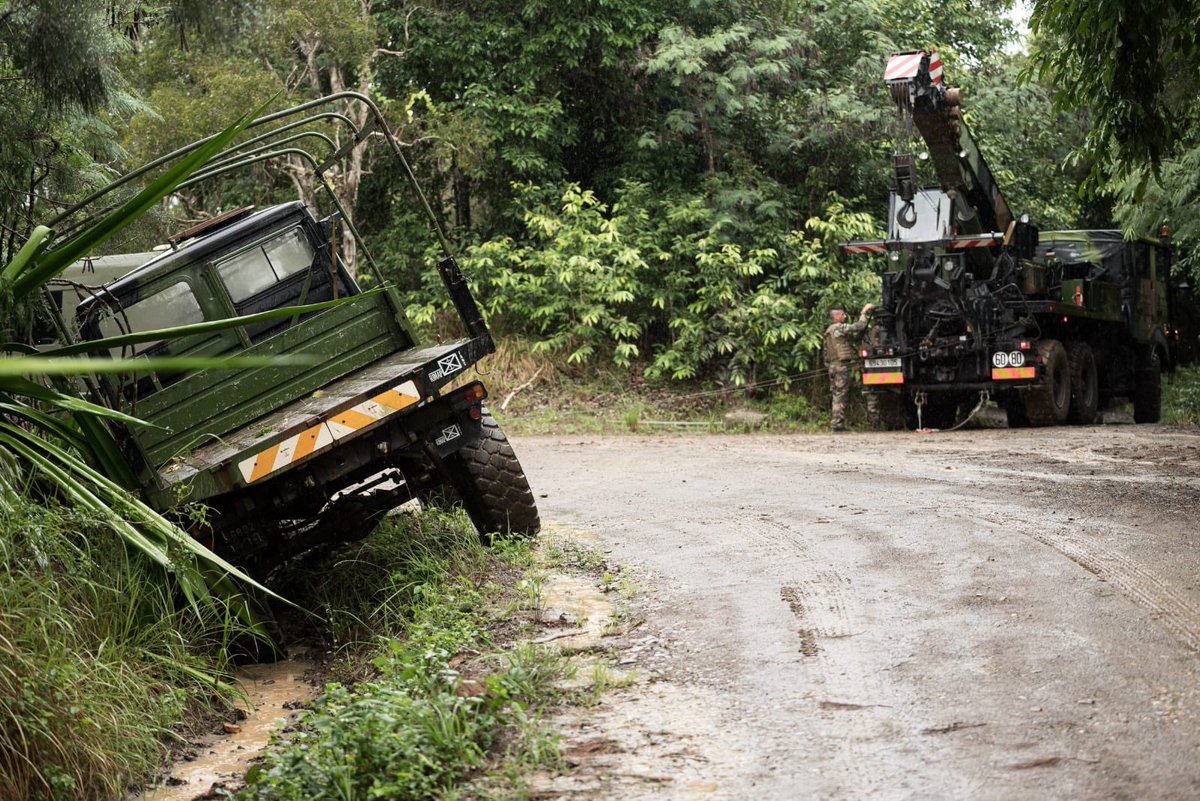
[
  {"x": 979, "y": 304},
  {"x": 357, "y": 418}
]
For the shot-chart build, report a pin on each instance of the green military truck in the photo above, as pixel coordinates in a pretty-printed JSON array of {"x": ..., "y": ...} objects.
[
  {"x": 292, "y": 456},
  {"x": 978, "y": 304}
]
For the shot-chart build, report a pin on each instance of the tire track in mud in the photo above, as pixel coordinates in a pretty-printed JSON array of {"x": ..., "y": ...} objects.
[
  {"x": 1169, "y": 606},
  {"x": 845, "y": 695},
  {"x": 862, "y": 713}
]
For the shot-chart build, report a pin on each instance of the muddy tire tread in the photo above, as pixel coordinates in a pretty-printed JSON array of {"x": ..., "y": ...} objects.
[
  {"x": 503, "y": 500},
  {"x": 1042, "y": 405},
  {"x": 1085, "y": 390}
]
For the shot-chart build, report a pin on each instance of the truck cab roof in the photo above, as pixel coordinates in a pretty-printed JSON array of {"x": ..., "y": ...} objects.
[{"x": 223, "y": 240}]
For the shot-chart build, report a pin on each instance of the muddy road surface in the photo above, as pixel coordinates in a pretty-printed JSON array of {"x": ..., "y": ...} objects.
[{"x": 984, "y": 614}]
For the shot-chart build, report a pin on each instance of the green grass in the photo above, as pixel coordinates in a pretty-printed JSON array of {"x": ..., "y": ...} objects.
[
  {"x": 1181, "y": 397},
  {"x": 547, "y": 395},
  {"x": 452, "y": 706},
  {"x": 568, "y": 399},
  {"x": 97, "y": 664},
  {"x": 429, "y": 697}
]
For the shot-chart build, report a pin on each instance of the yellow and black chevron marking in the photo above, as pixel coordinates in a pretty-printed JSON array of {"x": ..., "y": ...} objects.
[{"x": 342, "y": 424}]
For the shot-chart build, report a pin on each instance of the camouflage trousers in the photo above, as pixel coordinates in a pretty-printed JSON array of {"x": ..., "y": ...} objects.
[
  {"x": 839, "y": 389},
  {"x": 874, "y": 414}
]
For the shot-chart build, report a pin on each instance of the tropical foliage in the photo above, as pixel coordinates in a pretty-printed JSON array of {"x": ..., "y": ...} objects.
[
  {"x": 706, "y": 135},
  {"x": 658, "y": 185},
  {"x": 1132, "y": 67},
  {"x": 666, "y": 282}
]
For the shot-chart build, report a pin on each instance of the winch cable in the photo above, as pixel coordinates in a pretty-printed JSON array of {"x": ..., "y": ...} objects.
[{"x": 984, "y": 397}]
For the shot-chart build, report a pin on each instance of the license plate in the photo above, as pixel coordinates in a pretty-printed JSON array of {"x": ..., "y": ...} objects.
[{"x": 872, "y": 363}]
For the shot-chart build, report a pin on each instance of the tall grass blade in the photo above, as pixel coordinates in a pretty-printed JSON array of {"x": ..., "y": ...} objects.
[
  {"x": 138, "y": 337},
  {"x": 38, "y": 241}
]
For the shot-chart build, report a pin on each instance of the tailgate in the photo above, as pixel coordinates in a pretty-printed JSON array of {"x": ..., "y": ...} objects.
[{"x": 313, "y": 425}]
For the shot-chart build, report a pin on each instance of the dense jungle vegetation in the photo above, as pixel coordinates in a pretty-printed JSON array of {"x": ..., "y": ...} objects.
[
  {"x": 659, "y": 184},
  {"x": 651, "y": 187}
]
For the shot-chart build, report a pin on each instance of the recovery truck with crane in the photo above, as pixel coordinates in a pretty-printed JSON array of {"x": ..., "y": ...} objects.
[{"x": 979, "y": 304}]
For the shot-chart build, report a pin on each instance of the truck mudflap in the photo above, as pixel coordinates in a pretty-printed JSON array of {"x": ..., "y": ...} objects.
[{"x": 399, "y": 392}]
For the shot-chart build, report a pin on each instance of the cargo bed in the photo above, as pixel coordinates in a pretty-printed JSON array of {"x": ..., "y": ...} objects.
[{"x": 310, "y": 426}]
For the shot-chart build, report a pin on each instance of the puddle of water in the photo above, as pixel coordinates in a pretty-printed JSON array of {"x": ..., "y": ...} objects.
[
  {"x": 225, "y": 758},
  {"x": 580, "y": 603}
]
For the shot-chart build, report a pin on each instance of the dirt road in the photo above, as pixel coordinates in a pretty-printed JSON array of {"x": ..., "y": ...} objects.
[{"x": 982, "y": 614}]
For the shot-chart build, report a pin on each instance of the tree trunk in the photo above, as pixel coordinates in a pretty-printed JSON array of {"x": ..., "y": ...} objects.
[{"x": 462, "y": 197}]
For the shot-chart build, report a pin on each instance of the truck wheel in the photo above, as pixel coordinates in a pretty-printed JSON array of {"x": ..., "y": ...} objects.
[
  {"x": 1048, "y": 403},
  {"x": 1147, "y": 389},
  {"x": 492, "y": 486},
  {"x": 1085, "y": 393}
]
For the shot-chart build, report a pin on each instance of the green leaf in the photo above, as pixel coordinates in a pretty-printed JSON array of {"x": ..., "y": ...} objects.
[
  {"x": 49, "y": 365},
  {"x": 175, "y": 332},
  {"x": 51, "y": 263},
  {"x": 38, "y": 241}
]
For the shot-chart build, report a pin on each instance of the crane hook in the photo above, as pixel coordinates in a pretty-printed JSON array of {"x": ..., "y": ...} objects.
[{"x": 907, "y": 215}]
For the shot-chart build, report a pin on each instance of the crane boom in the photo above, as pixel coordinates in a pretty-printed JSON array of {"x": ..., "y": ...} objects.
[{"x": 915, "y": 80}]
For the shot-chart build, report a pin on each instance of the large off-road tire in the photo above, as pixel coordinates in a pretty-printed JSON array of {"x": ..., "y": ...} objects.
[
  {"x": 1147, "y": 389},
  {"x": 492, "y": 486},
  {"x": 1085, "y": 388},
  {"x": 1048, "y": 403}
]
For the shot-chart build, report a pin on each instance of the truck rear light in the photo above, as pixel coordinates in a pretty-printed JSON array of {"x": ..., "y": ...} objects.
[
  {"x": 1024, "y": 345},
  {"x": 864, "y": 353},
  {"x": 470, "y": 395}
]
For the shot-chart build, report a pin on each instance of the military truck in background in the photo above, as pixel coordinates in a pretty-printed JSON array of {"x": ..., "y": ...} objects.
[
  {"x": 292, "y": 456},
  {"x": 979, "y": 304}
]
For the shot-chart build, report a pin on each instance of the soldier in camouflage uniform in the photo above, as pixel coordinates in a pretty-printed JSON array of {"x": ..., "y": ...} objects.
[{"x": 839, "y": 356}]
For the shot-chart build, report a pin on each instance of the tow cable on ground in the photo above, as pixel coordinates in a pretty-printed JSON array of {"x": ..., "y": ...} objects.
[{"x": 920, "y": 401}]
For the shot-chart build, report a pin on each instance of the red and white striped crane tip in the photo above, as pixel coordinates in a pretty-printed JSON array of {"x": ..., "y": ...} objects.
[{"x": 905, "y": 66}]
